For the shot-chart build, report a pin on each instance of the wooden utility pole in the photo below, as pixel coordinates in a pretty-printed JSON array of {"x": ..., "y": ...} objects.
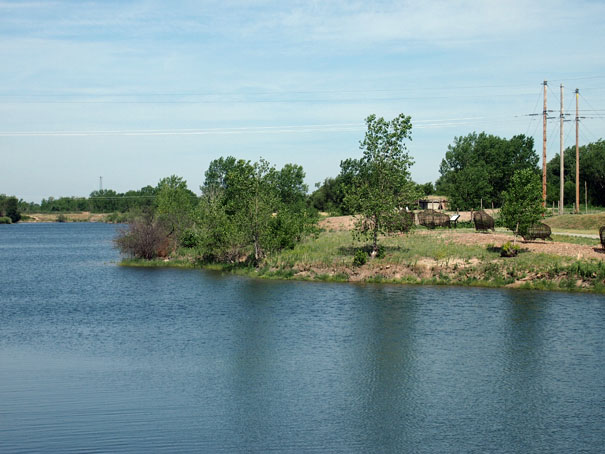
[
  {"x": 544, "y": 114},
  {"x": 562, "y": 159},
  {"x": 577, "y": 154}
]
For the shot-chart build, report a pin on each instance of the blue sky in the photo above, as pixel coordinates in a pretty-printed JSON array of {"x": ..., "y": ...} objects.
[{"x": 135, "y": 91}]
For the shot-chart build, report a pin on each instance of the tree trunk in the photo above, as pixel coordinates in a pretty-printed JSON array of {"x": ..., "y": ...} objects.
[{"x": 375, "y": 239}]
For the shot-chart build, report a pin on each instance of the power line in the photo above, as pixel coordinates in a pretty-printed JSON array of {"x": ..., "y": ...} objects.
[
  {"x": 333, "y": 127},
  {"x": 257, "y": 93}
]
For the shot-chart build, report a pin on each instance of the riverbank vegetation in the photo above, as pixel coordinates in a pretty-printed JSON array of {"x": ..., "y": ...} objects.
[
  {"x": 255, "y": 219},
  {"x": 437, "y": 257}
]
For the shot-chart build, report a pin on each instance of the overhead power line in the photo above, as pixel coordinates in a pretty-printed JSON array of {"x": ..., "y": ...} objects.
[{"x": 333, "y": 127}]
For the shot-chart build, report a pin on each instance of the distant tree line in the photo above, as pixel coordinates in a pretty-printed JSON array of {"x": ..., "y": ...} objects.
[
  {"x": 101, "y": 201},
  {"x": 592, "y": 171}
]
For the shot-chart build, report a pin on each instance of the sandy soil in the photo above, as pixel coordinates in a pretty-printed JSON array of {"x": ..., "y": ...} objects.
[
  {"x": 84, "y": 216},
  {"x": 578, "y": 251}
]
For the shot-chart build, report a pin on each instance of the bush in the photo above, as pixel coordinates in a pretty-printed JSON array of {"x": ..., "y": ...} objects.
[
  {"x": 117, "y": 218},
  {"x": 61, "y": 218},
  {"x": 189, "y": 239},
  {"x": 509, "y": 250},
  {"x": 360, "y": 258},
  {"x": 145, "y": 238},
  {"x": 5, "y": 220}
]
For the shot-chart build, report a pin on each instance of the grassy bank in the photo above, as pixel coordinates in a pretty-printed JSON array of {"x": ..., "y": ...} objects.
[
  {"x": 421, "y": 258},
  {"x": 581, "y": 223}
]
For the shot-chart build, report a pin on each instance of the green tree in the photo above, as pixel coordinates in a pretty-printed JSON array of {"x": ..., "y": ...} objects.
[
  {"x": 480, "y": 166},
  {"x": 217, "y": 174},
  {"x": 329, "y": 196},
  {"x": 379, "y": 183},
  {"x": 252, "y": 198},
  {"x": 9, "y": 207},
  {"x": 592, "y": 171},
  {"x": 251, "y": 209},
  {"x": 522, "y": 205},
  {"x": 175, "y": 204},
  {"x": 426, "y": 188}
]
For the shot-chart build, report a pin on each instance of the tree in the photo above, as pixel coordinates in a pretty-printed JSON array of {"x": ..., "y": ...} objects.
[
  {"x": 426, "y": 188},
  {"x": 592, "y": 171},
  {"x": 522, "y": 205},
  {"x": 251, "y": 209},
  {"x": 175, "y": 204},
  {"x": 480, "y": 166},
  {"x": 252, "y": 197},
  {"x": 9, "y": 207},
  {"x": 379, "y": 183},
  {"x": 329, "y": 196}
]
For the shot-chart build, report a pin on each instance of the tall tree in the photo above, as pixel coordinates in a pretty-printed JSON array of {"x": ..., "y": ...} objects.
[
  {"x": 175, "y": 204},
  {"x": 522, "y": 205},
  {"x": 480, "y": 166},
  {"x": 380, "y": 184}
]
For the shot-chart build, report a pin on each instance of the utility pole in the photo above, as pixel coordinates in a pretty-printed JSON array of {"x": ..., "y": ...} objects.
[
  {"x": 577, "y": 154},
  {"x": 544, "y": 113},
  {"x": 562, "y": 158}
]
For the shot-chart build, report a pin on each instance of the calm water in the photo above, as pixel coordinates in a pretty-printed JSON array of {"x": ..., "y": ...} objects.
[{"x": 98, "y": 358}]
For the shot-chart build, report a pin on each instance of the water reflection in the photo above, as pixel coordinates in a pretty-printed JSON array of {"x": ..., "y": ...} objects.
[
  {"x": 521, "y": 388},
  {"x": 386, "y": 370}
]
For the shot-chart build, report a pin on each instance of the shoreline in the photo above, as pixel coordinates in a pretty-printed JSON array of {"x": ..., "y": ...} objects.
[
  {"x": 577, "y": 277},
  {"x": 81, "y": 216}
]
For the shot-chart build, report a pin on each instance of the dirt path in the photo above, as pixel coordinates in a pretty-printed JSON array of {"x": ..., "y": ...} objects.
[{"x": 578, "y": 251}]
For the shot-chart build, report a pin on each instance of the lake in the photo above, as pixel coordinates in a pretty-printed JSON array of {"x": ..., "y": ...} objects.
[{"x": 99, "y": 358}]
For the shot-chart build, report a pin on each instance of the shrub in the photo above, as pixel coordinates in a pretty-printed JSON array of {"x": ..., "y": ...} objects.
[
  {"x": 189, "y": 239},
  {"x": 117, "y": 218},
  {"x": 145, "y": 238},
  {"x": 360, "y": 257},
  {"x": 61, "y": 218},
  {"x": 509, "y": 250},
  {"x": 5, "y": 220}
]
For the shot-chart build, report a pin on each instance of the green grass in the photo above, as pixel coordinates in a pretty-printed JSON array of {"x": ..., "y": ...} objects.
[
  {"x": 561, "y": 238},
  {"x": 417, "y": 259},
  {"x": 574, "y": 222}
]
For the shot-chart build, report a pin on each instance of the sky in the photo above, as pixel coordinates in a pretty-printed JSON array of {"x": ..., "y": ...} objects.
[{"x": 134, "y": 91}]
